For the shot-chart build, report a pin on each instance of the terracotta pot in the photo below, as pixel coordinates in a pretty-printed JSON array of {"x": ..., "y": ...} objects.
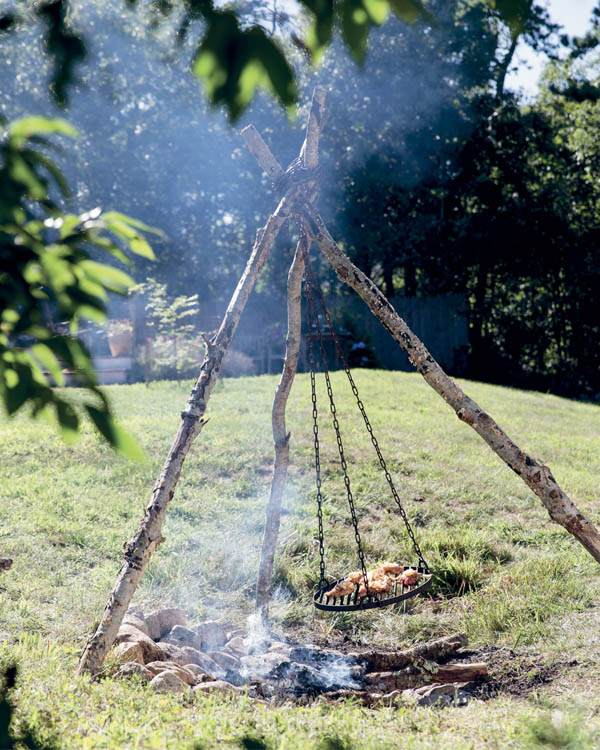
[{"x": 120, "y": 343}]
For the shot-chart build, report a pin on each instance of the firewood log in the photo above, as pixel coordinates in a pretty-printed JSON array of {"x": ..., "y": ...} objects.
[
  {"x": 380, "y": 661},
  {"x": 401, "y": 680}
]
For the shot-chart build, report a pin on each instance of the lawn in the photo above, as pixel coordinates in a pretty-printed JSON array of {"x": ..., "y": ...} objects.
[{"x": 505, "y": 573}]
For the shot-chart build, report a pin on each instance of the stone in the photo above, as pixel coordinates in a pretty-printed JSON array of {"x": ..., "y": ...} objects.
[
  {"x": 442, "y": 696},
  {"x": 129, "y": 652},
  {"x": 181, "y": 636},
  {"x": 225, "y": 661},
  {"x": 212, "y": 635},
  {"x": 235, "y": 633},
  {"x": 204, "y": 662},
  {"x": 169, "y": 617},
  {"x": 129, "y": 634},
  {"x": 199, "y": 673},
  {"x": 217, "y": 686},
  {"x": 134, "y": 669},
  {"x": 168, "y": 682},
  {"x": 158, "y": 667},
  {"x": 236, "y": 646},
  {"x": 136, "y": 621},
  {"x": 279, "y": 647},
  {"x": 153, "y": 625},
  {"x": 171, "y": 652}
]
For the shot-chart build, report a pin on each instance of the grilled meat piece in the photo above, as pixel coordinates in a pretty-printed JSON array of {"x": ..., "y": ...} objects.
[
  {"x": 410, "y": 577},
  {"x": 391, "y": 568},
  {"x": 341, "y": 589}
]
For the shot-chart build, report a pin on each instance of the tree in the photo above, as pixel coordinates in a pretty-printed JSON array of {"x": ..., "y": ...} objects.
[{"x": 235, "y": 54}]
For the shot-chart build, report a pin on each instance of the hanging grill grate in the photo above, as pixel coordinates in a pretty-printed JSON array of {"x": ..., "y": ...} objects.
[
  {"x": 351, "y": 602},
  {"x": 398, "y": 590}
]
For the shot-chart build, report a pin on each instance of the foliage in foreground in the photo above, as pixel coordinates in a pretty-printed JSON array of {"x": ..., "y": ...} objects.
[
  {"x": 235, "y": 54},
  {"x": 48, "y": 274}
]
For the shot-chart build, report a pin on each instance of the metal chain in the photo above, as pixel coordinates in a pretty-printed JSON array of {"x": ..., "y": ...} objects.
[
  {"x": 363, "y": 412},
  {"x": 315, "y": 414},
  {"x": 313, "y": 321}
]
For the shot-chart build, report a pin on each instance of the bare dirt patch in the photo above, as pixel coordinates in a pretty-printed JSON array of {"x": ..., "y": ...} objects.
[{"x": 513, "y": 673}]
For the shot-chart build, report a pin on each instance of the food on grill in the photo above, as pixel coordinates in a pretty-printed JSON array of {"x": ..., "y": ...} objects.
[
  {"x": 356, "y": 576},
  {"x": 376, "y": 586},
  {"x": 410, "y": 577},
  {"x": 390, "y": 568},
  {"x": 342, "y": 588},
  {"x": 379, "y": 580}
]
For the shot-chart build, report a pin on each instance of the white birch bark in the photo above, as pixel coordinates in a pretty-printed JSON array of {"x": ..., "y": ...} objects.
[
  {"x": 140, "y": 548},
  {"x": 535, "y": 474},
  {"x": 281, "y": 438}
]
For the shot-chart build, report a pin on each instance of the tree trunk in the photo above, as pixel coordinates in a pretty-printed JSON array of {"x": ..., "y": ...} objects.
[
  {"x": 535, "y": 475},
  {"x": 402, "y": 680},
  {"x": 281, "y": 438},
  {"x": 309, "y": 154},
  {"x": 148, "y": 536}
]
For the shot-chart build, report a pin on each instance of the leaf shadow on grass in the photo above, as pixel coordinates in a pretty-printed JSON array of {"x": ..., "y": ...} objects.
[{"x": 26, "y": 737}]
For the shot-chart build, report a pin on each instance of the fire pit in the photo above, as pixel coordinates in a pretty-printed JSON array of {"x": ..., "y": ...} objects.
[{"x": 163, "y": 649}]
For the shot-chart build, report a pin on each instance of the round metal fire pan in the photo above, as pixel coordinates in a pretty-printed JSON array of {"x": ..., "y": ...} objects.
[{"x": 350, "y": 602}]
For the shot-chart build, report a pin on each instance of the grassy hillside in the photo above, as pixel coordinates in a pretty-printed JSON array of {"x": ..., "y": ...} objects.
[{"x": 504, "y": 572}]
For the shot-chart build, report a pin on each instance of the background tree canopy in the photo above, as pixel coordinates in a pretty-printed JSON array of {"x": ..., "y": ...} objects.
[{"x": 437, "y": 179}]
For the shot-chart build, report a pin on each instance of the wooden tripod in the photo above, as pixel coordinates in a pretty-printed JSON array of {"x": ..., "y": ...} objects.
[{"x": 298, "y": 203}]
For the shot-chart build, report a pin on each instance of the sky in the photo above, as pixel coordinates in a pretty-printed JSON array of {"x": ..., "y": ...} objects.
[{"x": 574, "y": 15}]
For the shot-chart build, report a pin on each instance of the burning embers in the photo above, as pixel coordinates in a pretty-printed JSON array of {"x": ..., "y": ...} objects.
[{"x": 162, "y": 649}]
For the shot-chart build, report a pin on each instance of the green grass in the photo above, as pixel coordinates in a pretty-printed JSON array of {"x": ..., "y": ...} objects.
[{"x": 503, "y": 572}]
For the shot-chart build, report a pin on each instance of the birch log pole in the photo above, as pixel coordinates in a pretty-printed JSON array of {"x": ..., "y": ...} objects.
[
  {"x": 140, "y": 548},
  {"x": 281, "y": 437},
  {"x": 309, "y": 155},
  {"x": 536, "y": 476}
]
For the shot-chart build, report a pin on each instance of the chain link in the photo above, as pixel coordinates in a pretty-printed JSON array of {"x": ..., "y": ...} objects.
[
  {"x": 315, "y": 414},
  {"x": 313, "y": 322},
  {"x": 312, "y": 285}
]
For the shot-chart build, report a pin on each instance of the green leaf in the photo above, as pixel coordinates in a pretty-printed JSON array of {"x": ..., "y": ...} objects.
[
  {"x": 120, "y": 440},
  {"x": 48, "y": 359},
  {"x": 25, "y": 127},
  {"x": 21, "y": 172},
  {"x": 51, "y": 167},
  {"x": 110, "y": 277},
  {"x": 133, "y": 222},
  {"x": 67, "y": 419},
  {"x": 123, "y": 227},
  {"x": 514, "y": 13},
  {"x": 411, "y": 11},
  {"x": 378, "y": 10},
  {"x": 233, "y": 63},
  {"x": 355, "y": 28}
]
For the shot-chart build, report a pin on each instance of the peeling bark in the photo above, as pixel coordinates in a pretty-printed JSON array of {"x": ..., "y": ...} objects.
[
  {"x": 402, "y": 680},
  {"x": 281, "y": 437},
  {"x": 310, "y": 158},
  {"x": 536, "y": 476},
  {"x": 140, "y": 548}
]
